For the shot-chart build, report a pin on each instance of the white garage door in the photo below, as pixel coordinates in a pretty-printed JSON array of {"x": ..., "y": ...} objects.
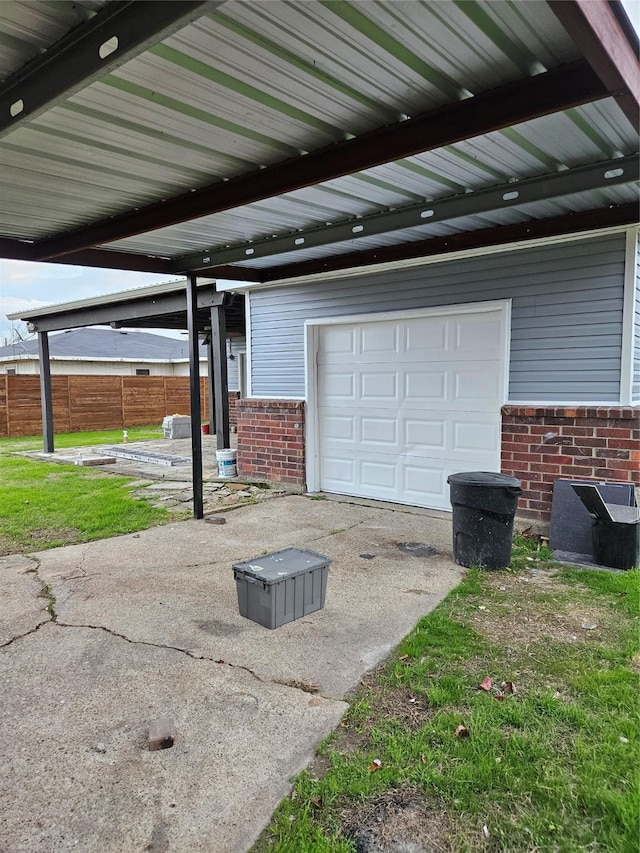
[{"x": 404, "y": 403}]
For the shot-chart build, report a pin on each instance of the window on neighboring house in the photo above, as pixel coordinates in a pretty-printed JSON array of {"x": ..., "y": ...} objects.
[
  {"x": 142, "y": 371},
  {"x": 11, "y": 371}
]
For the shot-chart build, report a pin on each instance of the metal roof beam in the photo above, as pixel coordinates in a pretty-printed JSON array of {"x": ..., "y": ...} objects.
[
  {"x": 143, "y": 308},
  {"x": 581, "y": 179},
  {"x": 626, "y": 214},
  {"x": 602, "y": 32},
  {"x": 20, "y": 250},
  {"x": 115, "y": 34},
  {"x": 523, "y": 100}
]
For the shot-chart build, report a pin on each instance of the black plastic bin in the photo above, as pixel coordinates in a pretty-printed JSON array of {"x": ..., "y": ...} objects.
[
  {"x": 616, "y": 544},
  {"x": 484, "y": 505}
]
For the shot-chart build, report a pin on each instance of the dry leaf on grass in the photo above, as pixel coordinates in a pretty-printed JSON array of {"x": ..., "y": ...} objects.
[
  {"x": 462, "y": 731},
  {"x": 486, "y": 684}
]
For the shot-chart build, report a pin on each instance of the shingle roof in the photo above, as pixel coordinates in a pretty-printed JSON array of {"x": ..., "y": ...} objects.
[{"x": 91, "y": 343}]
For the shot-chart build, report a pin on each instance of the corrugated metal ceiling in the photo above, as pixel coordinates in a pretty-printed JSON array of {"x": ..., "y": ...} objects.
[
  {"x": 252, "y": 84},
  {"x": 28, "y": 29}
]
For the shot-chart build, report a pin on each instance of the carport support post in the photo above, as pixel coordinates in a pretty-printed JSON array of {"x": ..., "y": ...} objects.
[
  {"x": 220, "y": 383},
  {"x": 194, "y": 388},
  {"x": 45, "y": 391},
  {"x": 210, "y": 385}
]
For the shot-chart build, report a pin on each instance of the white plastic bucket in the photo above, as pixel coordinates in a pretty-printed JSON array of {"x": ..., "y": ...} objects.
[{"x": 226, "y": 460}]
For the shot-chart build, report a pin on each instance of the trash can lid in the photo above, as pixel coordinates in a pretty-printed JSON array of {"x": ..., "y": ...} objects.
[{"x": 483, "y": 478}]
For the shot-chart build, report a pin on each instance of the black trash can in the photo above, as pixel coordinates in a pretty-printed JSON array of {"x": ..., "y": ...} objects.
[
  {"x": 616, "y": 544},
  {"x": 484, "y": 505}
]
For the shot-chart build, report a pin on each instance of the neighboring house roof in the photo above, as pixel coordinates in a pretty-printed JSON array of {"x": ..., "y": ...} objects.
[{"x": 92, "y": 343}]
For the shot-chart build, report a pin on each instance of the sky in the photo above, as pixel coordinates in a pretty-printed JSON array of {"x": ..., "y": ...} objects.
[{"x": 25, "y": 285}]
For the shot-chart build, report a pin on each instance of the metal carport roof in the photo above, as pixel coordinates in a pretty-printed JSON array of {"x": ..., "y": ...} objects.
[{"x": 163, "y": 136}]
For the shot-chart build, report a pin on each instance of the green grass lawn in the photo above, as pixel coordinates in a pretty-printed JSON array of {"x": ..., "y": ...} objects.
[
  {"x": 553, "y": 766},
  {"x": 43, "y": 505},
  {"x": 80, "y": 439}
]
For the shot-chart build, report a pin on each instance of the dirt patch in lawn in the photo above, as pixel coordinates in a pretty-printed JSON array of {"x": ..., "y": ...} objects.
[
  {"x": 43, "y": 537},
  {"x": 521, "y": 614},
  {"x": 398, "y": 822},
  {"x": 39, "y": 539}
]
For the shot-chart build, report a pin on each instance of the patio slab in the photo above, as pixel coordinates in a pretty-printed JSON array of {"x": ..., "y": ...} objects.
[
  {"x": 76, "y": 708},
  {"x": 174, "y": 586},
  {"x": 23, "y": 607},
  {"x": 148, "y": 626}
]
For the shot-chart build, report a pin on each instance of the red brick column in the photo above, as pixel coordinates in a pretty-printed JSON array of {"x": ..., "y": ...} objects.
[
  {"x": 234, "y": 396},
  {"x": 271, "y": 440},
  {"x": 540, "y": 445}
]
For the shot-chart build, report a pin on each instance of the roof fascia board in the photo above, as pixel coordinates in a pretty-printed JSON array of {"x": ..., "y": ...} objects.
[
  {"x": 21, "y": 250},
  {"x": 523, "y": 100},
  {"x": 119, "y": 296},
  {"x": 541, "y": 188},
  {"x": 101, "y": 311},
  {"x": 115, "y": 34},
  {"x": 608, "y": 46},
  {"x": 490, "y": 244}
]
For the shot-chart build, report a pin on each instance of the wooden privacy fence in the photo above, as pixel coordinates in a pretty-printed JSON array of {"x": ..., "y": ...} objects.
[{"x": 94, "y": 402}]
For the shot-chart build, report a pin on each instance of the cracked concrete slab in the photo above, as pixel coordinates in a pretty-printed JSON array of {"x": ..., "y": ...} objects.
[
  {"x": 24, "y": 606},
  {"x": 77, "y": 774},
  {"x": 174, "y": 586}
]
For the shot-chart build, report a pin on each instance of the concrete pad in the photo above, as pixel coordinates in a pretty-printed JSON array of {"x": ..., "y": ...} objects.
[
  {"x": 174, "y": 586},
  {"x": 22, "y": 609},
  {"x": 77, "y": 774}
]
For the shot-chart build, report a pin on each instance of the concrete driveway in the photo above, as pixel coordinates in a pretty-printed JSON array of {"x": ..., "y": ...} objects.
[{"x": 99, "y": 640}]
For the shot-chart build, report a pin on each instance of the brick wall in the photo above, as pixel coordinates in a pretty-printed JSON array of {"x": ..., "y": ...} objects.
[
  {"x": 234, "y": 396},
  {"x": 271, "y": 440},
  {"x": 540, "y": 445}
]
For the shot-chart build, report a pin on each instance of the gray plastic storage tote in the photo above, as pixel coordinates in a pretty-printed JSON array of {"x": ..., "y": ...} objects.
[{"x": 277, "y": 588}]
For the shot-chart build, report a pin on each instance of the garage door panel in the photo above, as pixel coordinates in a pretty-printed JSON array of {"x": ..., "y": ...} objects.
[
  {"x": 425, "y": 338},
  {"x": 476, "y": 335},
  {"x": 376, "y": 430},
  {"x": 428, "y": 385},
  {"x": 425, "y": 483},
  {"x": 339, "y": 428},
  {"x": 378, "y": 471},
  {"x": 474, "y": 437},
  {"x": 425, "y": 433},
  {"x": 338, "y": 471},
  {"x": 378, "y": 385},
  {"x": 337, "y": 384},
  {"x": 341, "y": 341},
  {"x": 381, "y": 339},
  {"x": 452, "y": 434},
  {"x": 476, "y": 387}
]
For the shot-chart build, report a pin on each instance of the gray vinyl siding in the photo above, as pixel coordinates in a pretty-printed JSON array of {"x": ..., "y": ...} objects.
[
  {"x": 567, "y": 303},
  {"x": 235, "y": 346}
]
